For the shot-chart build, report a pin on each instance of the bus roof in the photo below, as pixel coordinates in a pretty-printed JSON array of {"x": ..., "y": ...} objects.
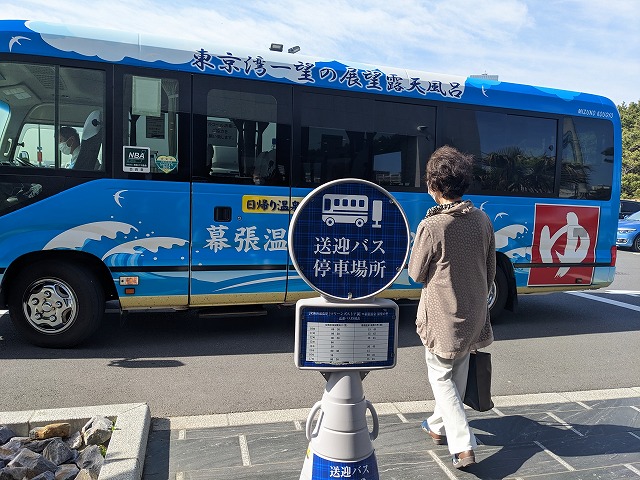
[{"x": 112, "y": 46}]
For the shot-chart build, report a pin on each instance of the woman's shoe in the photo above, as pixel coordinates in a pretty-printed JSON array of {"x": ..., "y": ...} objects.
[
  {"x": 437, "y": 439},
  {"x": 464, "y": 459}
]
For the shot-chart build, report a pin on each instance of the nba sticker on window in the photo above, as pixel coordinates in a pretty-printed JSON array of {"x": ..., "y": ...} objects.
[{"x": 564, "y": 237}]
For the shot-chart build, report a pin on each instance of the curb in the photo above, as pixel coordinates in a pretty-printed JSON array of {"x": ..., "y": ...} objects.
[
  {"x": 128, "y": 444},
  {"x": 397, "y": 408}
]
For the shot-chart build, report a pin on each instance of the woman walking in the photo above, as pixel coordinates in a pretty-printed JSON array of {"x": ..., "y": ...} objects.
[{"x": 454, "y": 258}]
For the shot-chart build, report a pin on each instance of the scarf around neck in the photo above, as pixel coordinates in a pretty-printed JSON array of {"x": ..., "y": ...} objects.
[{"x": 444, "y": 207}]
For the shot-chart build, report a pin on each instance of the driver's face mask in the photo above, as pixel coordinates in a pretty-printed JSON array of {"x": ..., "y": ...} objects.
[{"x": 64, "y": 148}]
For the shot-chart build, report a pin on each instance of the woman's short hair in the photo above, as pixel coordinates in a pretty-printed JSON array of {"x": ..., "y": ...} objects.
[{"x": 449, "y": 172}]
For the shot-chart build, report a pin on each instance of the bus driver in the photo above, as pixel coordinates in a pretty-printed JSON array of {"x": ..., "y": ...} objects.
[{"x": 69, "y": 144}]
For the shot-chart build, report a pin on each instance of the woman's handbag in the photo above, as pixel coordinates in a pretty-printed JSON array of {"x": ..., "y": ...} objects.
[{"x": 478, "y": 392}]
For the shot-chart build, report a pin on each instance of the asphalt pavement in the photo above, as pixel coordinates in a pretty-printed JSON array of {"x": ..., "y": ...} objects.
[{"x": 568, "y": 436}]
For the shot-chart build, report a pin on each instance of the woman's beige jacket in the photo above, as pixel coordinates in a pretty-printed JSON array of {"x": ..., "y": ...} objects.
[{"x": 454, "y": 257}]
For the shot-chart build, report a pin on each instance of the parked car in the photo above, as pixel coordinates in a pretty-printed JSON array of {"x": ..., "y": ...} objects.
[
  {"x": 629, "y": 232},
  {"x": 627, "y": 207}
]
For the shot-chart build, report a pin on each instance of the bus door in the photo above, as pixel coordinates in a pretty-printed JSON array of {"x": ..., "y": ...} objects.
[
  {"x": 241, "y": 202},
  {"x": 150, "y": 192}
]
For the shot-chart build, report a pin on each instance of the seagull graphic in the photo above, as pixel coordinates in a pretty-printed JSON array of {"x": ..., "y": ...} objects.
[
  {"x": 484, "y": 92},
  {"x": 15, "y": 40},
  {"x": 118, "y": 196}
]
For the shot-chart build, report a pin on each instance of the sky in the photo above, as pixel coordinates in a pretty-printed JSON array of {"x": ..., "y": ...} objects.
[{"x": 588, "y": 46}]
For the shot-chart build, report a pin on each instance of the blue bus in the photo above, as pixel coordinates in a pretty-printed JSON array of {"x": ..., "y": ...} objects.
[{"x": 164, "y": 175}]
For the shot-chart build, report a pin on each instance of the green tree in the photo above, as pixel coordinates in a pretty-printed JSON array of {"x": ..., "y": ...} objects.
[{"x": 630, "y": 119}]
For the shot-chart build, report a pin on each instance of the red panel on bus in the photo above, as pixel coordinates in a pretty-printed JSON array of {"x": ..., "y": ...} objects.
[{"x": 564, "y": 234}]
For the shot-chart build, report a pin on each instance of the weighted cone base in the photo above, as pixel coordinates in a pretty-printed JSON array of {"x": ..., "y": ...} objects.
[{"x": 318, "y": 468}]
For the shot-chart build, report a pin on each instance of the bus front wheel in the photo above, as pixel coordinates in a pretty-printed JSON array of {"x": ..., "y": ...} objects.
[
  {"x": 498, "y": 294},
  {"x": 57, "y": 305}
]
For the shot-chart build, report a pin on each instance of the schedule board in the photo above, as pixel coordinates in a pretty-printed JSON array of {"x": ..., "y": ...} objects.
[{"x": 346, "y": 336}]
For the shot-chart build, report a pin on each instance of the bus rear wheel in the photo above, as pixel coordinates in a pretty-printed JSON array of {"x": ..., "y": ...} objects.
[
  {"x": 57, "y": 305},
  {"x": 498, "y": 294}
]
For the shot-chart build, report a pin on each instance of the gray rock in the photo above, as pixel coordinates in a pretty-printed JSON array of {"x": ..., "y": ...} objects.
[
  {"x": 38, "y": 446},
  {"x": 33, "y": 462},
  {"x": 83, "y": 475},
  {"x": 68, "y": 471},
  {"x": 90, "y": 459},
  {"x": 16, "y": 443},
  {"x": 58, "y": 452},
  {"x": 97, "y": 421},
  {"x": 74, "y": 440},
  {"x": 6, "y": 434},
  {"x": 97, "y": 431},
  {"x": 6, "y": 455},
  {"x": 13, "y": 473},
  {"x": 45, "y": 476}
]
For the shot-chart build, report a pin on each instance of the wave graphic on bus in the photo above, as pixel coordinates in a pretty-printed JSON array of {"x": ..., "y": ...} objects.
[
  {"x": 77, "y": 237},
  {"x": 350, "y": 209}
]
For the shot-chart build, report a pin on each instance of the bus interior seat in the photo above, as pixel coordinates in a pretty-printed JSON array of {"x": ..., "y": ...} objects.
[
  {"x": 265, "y": 165},
  {"x": 223, "y": 161},
  {"x": 90, "y": 143}
]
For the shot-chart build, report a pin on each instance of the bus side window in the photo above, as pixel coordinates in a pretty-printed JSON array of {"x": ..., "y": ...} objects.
[
  {"x": 83, "y": 112},
  {"x": 336, "y": 138},
  {"x": 5, "y": 113},
  {"x": 348, "y": 136},
  {"x": 514, "y": 154},
  {"x": 242, "y": 135},
  {"x": 587, "y": 158},
  {"x": 151, "y": 109},
  {"x": 29, "y": 95},
  {"x": 41, "y": 100}
]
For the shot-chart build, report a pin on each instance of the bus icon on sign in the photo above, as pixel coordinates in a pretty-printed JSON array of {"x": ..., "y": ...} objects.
[{"x": 350, "y": 209}]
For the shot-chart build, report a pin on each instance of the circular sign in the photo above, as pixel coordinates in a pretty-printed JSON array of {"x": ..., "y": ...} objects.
[{"x": 349, "y": 239}]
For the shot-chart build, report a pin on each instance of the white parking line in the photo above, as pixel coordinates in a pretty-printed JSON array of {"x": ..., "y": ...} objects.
[
  {"x": 605, "y": 300},
  {"x": 402, "y": 418},
  {"x": 498, "y": 412},
  {"x": 564, "y": 424},
  {"x": 441, "y": 464},
  {"x": 633, "y": 469},
  {"x": 244, "y": 451},
  {"x": 633, "y": 293},
  {"x": 555, "y": 457}
]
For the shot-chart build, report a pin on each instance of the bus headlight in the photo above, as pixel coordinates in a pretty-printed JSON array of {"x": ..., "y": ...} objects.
[{"x": 625, "y": 231}]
